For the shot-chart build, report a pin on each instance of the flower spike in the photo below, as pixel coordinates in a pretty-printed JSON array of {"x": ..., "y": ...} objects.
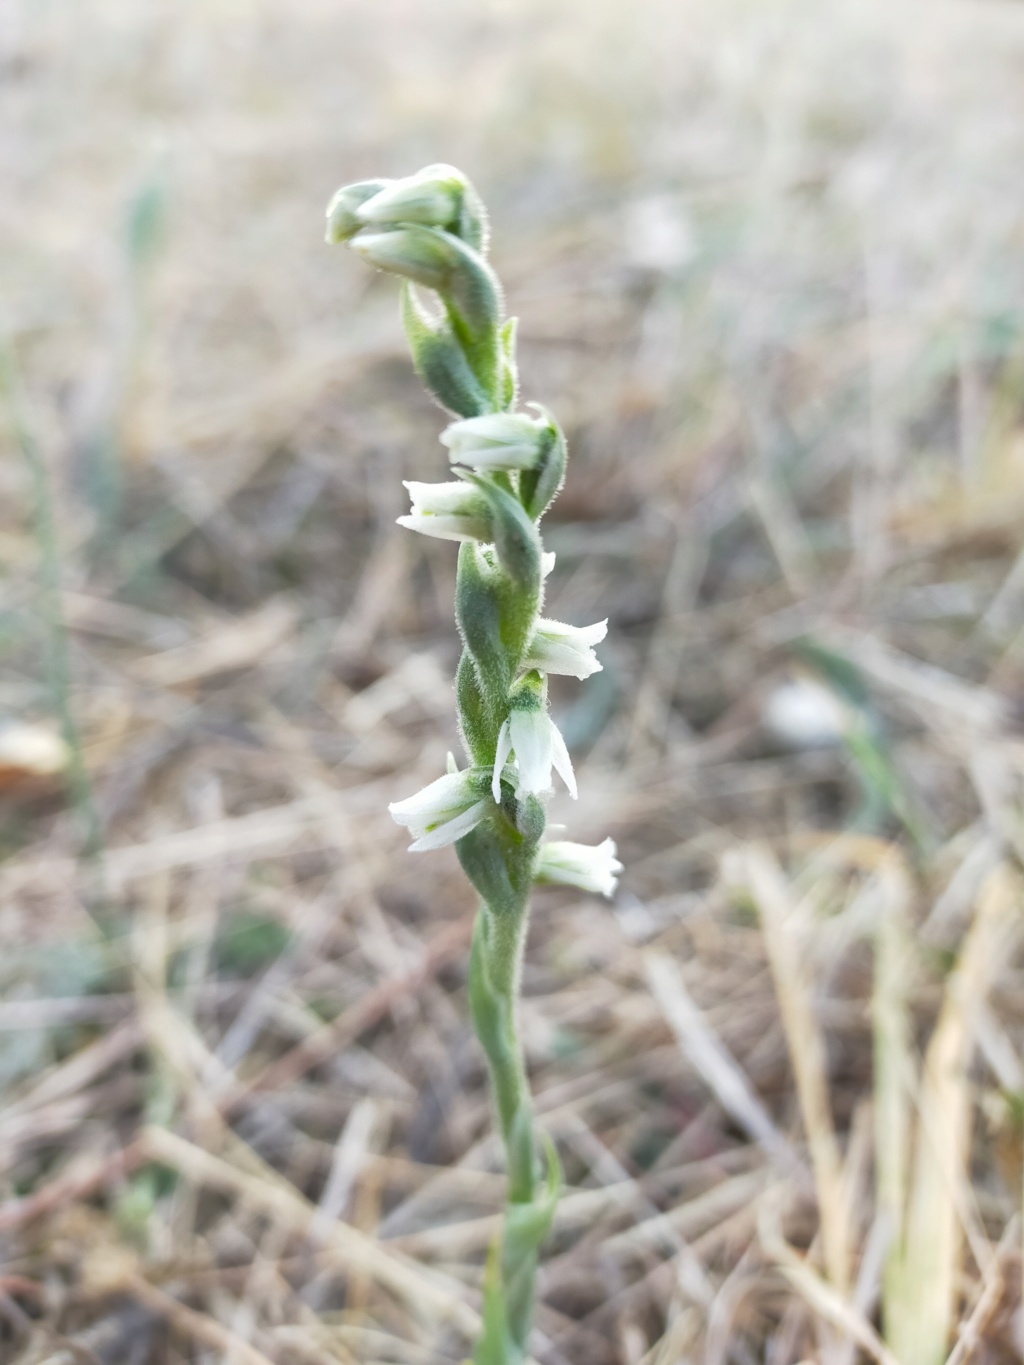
[{"x": 430, "y": 230}]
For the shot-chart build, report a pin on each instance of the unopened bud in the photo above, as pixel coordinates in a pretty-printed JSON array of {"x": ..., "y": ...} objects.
[
  {"x": 420, "y": 254},
  {"x": 342, "y": 222},
  {"x": 432, "y": 197}
]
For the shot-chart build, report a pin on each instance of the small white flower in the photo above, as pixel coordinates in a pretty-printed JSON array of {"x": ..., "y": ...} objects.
[
  {"x": 538, "y": 745},
  {"x": 498, "y": 440},
  {"x": 443, "y": 811},
  {"x": 450, "y": 511},
  {"x": 581, "y": 865},
  {"x": 558, "y": 648}
]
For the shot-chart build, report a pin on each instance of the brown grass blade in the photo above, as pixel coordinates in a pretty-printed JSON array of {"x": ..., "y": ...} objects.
[
  {"x": 764, "y": 879},
  {"x": 923, "y": 1292}
]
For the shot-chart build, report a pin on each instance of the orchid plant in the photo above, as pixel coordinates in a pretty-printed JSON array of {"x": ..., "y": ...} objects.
[{"x": 509, "y": 465}]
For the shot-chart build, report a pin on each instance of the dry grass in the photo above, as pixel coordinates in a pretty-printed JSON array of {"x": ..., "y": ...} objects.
[{"x": 769, "y": 262}]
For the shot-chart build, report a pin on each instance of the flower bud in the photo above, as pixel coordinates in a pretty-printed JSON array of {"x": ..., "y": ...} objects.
[
  {"x": 430, "y": 198},
  {"x": 558, "y": 648},
  {"x": 449, "y": 511},
  {"x": 342, "y": 221},
  {"x": 420, "y": 254},
  {"x": 499, "y": 440},
  {"x": 438, "y": 196},
  {"x": 580, "y": 865}
]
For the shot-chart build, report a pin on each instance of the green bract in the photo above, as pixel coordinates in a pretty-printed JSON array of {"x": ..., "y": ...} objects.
[{"x": 430, "y": 229}]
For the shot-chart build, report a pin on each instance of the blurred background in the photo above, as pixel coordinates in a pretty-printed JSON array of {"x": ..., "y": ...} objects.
[{"x": 768, "y": 260}]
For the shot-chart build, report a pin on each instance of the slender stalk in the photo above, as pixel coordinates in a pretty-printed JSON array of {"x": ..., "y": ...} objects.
[{"x": 431, "y": 230}]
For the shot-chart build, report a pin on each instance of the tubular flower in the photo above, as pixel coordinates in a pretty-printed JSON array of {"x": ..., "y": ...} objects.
[
  {"x": 588, "y": 867},
  {"x": 443, "y": 811},
  {"x": 558, "y": 648},
  {"x": 538, "y": 746},
  {"x": 449, "y": 511},
  {"x": 499, "y": 440}
]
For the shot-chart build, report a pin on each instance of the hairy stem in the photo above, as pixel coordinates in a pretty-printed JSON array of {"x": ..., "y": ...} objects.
[{"x": 502, "y": 939}]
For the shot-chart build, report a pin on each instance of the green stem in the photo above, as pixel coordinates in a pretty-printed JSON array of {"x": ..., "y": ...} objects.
[
  {"x": 495, "y": 964},
  {"x": 504, "y": 937}
]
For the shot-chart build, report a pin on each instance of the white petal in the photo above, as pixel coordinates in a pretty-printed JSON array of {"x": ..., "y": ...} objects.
[
  {"x": 560, "y": 758},
  {"x": 447, "y": 528},
  {"x": 547, "y": 562},
  {"x": 559, "y": 648},
  {"x": 434, "y": 498},
  {"x": 500, "y": 759},
  {"x": 580, "y": 635},
  {"x": 531, "y": 739},
  {"x": 452, "y": 830},
  {"x": 440, "y": 798},
  {"x": 556, "y": 657},
  {"x": 496, "y": 457}
]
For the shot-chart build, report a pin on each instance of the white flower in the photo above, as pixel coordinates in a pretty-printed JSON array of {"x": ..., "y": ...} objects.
[
  {"x": 450, "y": 511},
  {"x": 538, "y": 746},
  {"x": 498, "y": 440},
  {"x": 580, "y": 865},
  {"x": 557, "y": 648},
  {"x": 443, "y": 811}
]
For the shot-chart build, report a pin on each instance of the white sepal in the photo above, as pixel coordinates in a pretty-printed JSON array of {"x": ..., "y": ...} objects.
[
  {"x": 443, "y": 811},
  {"x": 539, "y": 747},
  {"x": 449, "y": 511},
  {"x": 558, "y": 648},
  {"x": 500, "y": 759},
  {"x": 584, "y": 866},
  {"x": 498, "y": 440}
]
